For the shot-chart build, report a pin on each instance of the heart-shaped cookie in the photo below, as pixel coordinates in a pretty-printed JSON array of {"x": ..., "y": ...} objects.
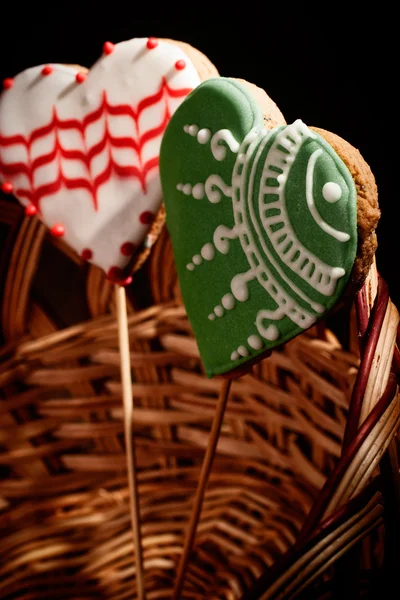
[
  {"x": 263, "y": 223},
  {"x": 81, "y": 149}
]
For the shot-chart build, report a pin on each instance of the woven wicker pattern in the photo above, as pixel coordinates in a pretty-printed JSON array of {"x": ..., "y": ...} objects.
[{"x": 292, "y": 485}]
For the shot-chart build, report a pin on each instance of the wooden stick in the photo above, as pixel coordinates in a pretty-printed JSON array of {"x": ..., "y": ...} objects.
[
  {"x": 205, "y": 472},
  {"x": 123, "y": 335}
]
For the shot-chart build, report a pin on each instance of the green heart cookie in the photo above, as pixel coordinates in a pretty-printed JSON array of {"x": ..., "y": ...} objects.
[{"x": 263, "y": 223}]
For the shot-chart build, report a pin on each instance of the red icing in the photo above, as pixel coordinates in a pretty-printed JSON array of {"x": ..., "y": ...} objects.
[
  {"x": 180, "y": 65},
  {"x": 146, "y": 217},
  {"x": 30, "y": 210},
  {"x": 47, "y": 70},
  {"x": 7, "y": 187},
  {"x": 116, "y": 275},
  {"x": 152, "y": 43},
  {"x": 80, "y": 77},
  {"x": 91, "y": 184},
  {"x": 8, "y": 83},
  {"x": 127, "y": 249},
  {"x": 57, "y": 230},
  {"x": 86, "y": 254},
  {"x": 108, "y": 47}
]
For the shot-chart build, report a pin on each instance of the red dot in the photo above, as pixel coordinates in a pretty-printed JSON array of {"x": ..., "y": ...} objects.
[
  {"x": 115, "y": 275},
  {"x": 47, "y": 70},
  {"x": 30, "y": 210},
  {"x": 108, "y": 47},
  {"x": 7, "y": 187},
  {"x": 127, "y": 249},
  {"x": 152, "y": 43},
  {"x": 8, "y": 83},
  {"x": 146, "y": 217},
  {"x": 80, "y": 77},
  {"x": 86, "y": 254},
  {"x": 57, "y": 230},
  {"x": 180, "y": 65},
  {"x": 126, "y": 281}
]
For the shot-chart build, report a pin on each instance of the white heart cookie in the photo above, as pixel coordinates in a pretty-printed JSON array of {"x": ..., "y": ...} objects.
[{"x": 82, "y": 150}]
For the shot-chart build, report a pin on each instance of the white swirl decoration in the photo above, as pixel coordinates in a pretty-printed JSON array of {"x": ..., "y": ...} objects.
[{"x": 263, "y": 218}]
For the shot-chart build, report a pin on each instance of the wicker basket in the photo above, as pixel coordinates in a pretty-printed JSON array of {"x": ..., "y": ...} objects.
[{"x": 299, "y": 492}]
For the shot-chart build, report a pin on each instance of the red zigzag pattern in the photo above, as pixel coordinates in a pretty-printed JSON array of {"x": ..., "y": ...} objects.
[{"x": 108, "y": 141}]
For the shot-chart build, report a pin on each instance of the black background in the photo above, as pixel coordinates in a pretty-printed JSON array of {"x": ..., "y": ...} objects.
[{"x": 333, "y": 68}]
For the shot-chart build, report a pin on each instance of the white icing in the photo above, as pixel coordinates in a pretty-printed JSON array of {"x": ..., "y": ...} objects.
[
  {"x": 291, "y": 251},
  {"x": 331, "y": 192},
  {"x": 208, "y": 251},
  {"x": 223, "y": 135},
  {"x": 211, "y": 317},
  {"x": 272, "y": 284},
  {"x": 208, "y": 188},
  {"x": 337, "y": 272},
  {"x": 203, "y": 136},
  {"x": 197, "y": 259},
  {"x": 255, "y": 342},
  {"x": 228, "y": 301},
  {"x": 192, "y": 130},
  {"x": 219, "y": 311},
  {"x": 235, "y": 355},
  {"x": 221, "y": 236},
  {"x": 242, "y": 201},
  {"x": 242, "y": 196},
  {"x": 221, "y": 243},
  {"x": 239, "y": 285},
  {"x": 190, "y": 267},
  {"x": 272, "y": 333},
  {"x": 269, "y": 332},
  {"x": 129, "y": 74},
  {"x": 198, "y": 191},
  {"x": 242, "y": 350},
  {"x": 341, "y": 236},
  {"x": 215, "y": 181}
]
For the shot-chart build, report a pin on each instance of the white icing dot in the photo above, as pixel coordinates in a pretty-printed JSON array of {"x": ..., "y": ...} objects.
[
  {"x": 186, "y": 128},
  {"x": 337, "y": 272},
  {"x": 193, "y": 129},
  {"x": 241, "y": 157},
  {"x": 211, "y": 317},
  {"x": 179, "y": 187},
  {"x": 190, "y": 267},
  {"x": 228, "y": 301},
  {"x": 198, "y": 191},
  {"x": 197, "y": 259},
  {"x": 208, "y": 251},
  {"x": 234, "y": 355},
  {"x": 203, "y": 136},
  {"x": 243, "y": 351},
  {"x": 332, "y": 192},
  {"x": 219, "y": 311},
  {"x": 272, "y": 333},
  {"x": 255, "y": 342},
  {"x": 187, "y": 189}
]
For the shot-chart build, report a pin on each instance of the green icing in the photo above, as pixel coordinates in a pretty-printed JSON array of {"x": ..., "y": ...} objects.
[{"x": 287, "y": 201}]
